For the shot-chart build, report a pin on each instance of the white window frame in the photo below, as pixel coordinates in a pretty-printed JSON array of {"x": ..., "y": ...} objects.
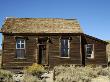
[
  {"x": 68, "y": 48},
  {"x": 91, "y": 55},
  {"x": 20, "y": 43}
]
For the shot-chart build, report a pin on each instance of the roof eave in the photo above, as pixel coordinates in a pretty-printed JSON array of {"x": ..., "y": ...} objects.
[{"x": 96, "y": 39}]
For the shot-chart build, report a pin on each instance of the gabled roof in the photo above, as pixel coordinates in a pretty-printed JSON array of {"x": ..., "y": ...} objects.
[{"x": 41, "y": 25}]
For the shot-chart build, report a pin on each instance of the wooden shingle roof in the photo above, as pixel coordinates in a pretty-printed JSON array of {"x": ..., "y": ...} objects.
[{"x": 41, "y": 25}]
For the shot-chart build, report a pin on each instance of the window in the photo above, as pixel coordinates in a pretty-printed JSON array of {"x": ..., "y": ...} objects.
[
  {"x": 89, "y": 51},
  {"x": 20, "y": 48},
  {"x": 65, "y": 46}
]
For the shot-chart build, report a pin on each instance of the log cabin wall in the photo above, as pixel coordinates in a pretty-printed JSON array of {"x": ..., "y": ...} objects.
[
  {"x": 9, "y": 52},
  {"x": 31, "y": 56},
  {"x": 54, "y": 51},
  {"x": 77, "y": 51},
  {"x": 100, "y": 57}
]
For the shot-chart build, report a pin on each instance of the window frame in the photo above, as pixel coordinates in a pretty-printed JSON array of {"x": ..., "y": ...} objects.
[
  {"x": 24, "y": 48},
  {"x": 91, "y": 55},
  {"x": 68, "y": 47}
]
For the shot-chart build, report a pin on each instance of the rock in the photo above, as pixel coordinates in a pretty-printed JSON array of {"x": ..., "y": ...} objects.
[{"x": 18, "y": 77}]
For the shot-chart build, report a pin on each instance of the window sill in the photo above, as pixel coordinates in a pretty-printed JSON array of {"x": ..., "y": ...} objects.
[
  {"x": 20, "y": 58},
  {"x": 65, "y": 57},
  {"x": 89, "y": 58}
]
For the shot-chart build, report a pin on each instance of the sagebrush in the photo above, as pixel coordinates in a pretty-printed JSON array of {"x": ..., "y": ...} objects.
[
  {"x": 79, "y": 74},
  {"x": 35, "y": 69}
]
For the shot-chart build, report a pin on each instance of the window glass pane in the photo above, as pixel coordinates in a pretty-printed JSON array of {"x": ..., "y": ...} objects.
[
  {"x": 62, "y": 52},
  {"x": 62, "y": 43},
  {"x": 22, "y": 45},
  {"x": 64, "y": 47},
  {"x": 18, "y": 41},
  {"x": 20, "y": 53},
  {"x": 89, "y": 50},
  {"x": 18, "y": 45},
  {"x": 65, "y": 53},
  {"x": 66, "y": 43}
]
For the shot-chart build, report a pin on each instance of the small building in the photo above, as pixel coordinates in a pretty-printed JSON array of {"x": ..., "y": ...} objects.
[{"x": 49, "y": 41}]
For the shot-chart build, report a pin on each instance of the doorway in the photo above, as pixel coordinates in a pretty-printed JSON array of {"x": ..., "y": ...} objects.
[
  {"x": 42, "y": 54},
  {"x": 42, "y": 50}
]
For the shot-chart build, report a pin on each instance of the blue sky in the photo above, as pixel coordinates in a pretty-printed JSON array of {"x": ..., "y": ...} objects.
[{"x": 93, "y": 15}]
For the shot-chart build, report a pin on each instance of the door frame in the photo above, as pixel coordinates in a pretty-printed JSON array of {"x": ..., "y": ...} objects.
[{"x": 47, "y": 56}]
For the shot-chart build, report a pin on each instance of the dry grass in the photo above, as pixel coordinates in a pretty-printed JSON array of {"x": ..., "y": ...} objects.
[
  {"x": 30, "y": 78},
  {"x": 6, "y": 76},
  {"x": 79, "y": 74},
  {"x": 83, "y": 74}
]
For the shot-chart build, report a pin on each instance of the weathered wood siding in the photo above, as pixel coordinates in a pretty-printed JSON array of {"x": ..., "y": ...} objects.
[
  {"x": 77, "y": 51},
  {"x": 100, "y": 57},
  {"x": 54, "y": 51},
  {"x": 9, "y": 52},
  {"x": 31, "y": 56}
]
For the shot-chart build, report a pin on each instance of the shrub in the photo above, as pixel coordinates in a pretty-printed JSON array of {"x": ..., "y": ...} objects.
[{"x": 35, "y": 69}]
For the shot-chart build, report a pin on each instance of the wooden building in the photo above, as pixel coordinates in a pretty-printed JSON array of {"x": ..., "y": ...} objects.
[{"x": 49, "y": 41}]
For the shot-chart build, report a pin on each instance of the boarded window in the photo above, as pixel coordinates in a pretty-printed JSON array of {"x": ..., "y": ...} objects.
[
  {"x": 89, "y": 50},
  {"x": 65, "y": 46},
  {"x": 20, "y": 48}
]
